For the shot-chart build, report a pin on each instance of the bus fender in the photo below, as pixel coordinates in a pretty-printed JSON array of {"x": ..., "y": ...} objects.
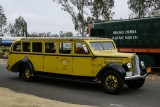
[
  {"x": 113, "y": 66},
  {"x": 18, "y": 65}
]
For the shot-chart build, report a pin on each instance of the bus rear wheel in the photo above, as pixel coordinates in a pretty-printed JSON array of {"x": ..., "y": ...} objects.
[{"x": 26, "y": 73}]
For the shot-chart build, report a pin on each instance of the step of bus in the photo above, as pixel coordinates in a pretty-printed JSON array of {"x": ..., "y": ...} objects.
[{"x": 65, "y": 77}]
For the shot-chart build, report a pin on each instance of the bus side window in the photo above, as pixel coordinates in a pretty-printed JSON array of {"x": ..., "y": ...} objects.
[
  {"x": 50, "y": 47},
  {"x": 36, "y": 47},
  {"x": 81, "y": 48},
  {"x": 65, "y": 48},
  {"x": 17, "y": 47},
  {"x": 26, "y": 47}
]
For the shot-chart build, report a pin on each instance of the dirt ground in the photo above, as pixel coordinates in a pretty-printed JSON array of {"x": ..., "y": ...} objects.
[
  {"x": 9, "y": 98},
  {"x": 155, "y": 76}
]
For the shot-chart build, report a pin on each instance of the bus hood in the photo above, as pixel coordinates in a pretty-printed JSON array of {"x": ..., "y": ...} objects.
[{"x": 114, "y": 54}]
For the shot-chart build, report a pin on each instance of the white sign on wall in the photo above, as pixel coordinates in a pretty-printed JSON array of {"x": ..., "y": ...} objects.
[
  {"x": 125, "y": 32},
  {"x": 125, "y": 37}
]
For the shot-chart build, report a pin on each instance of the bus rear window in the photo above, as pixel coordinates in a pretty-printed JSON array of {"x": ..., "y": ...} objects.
[{"x": 17, "y": 47}]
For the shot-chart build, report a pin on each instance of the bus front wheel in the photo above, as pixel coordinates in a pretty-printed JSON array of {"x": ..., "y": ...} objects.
[{"x": 112, "y": 82}]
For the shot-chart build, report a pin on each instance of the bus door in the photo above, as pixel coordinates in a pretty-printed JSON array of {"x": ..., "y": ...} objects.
[
  {"x": 50, "y": 58},
  {"x": 36, "y": 57},
  {"x": 65, "y": 58},
  {"x": 82, "y": 60}
]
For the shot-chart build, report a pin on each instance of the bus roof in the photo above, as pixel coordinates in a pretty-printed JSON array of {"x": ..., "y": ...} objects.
[{"x": 63, "y": 38}]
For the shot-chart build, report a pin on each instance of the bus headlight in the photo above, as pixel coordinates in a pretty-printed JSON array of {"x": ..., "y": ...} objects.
[
  {"x": 126, "y": 66},
  {"x": 141, "y": 63},
  {"x": 129, "y": 65}
]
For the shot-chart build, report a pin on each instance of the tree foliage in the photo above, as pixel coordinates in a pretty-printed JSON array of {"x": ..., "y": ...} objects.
[
  {"x": 142, "y": 8},
  {"x": 76, "y": 8},
  {"x": 101, "y": 9},
  {"x": 11, "y": 29},
  {"x": 66, "y": 34},
  {"x": 20, "y": 27},
  {"x": 155, "y": 4},
  {"x": 84, "y": 12},
  {"x": 3, "y": 21}
]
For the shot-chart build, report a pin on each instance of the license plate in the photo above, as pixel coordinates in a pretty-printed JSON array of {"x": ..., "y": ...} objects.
[{"x": 128, "y": 74}]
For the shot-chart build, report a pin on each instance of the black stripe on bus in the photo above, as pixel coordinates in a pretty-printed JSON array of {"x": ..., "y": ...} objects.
[{"x": 70, "y": 55}]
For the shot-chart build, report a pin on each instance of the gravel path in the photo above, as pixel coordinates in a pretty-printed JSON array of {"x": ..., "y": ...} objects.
[{"x": 9, "y": 98}]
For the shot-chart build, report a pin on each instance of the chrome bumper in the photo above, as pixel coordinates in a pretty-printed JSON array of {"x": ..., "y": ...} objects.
[{"x": 137, "y": 76}]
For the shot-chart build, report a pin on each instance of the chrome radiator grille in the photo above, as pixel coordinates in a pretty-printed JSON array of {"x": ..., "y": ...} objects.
[{"x": 135, "y": 65}]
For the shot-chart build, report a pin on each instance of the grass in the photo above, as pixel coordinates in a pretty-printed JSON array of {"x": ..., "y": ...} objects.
[
  {"x": 5, "y": 50},
  {"x": 1, "y": 54}
]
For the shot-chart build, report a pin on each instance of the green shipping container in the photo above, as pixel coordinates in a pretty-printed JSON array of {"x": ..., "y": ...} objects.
[{"x": 141, "y": 36}]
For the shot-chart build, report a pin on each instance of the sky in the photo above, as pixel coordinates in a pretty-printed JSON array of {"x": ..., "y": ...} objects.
[{"x": 47, "y": 16}]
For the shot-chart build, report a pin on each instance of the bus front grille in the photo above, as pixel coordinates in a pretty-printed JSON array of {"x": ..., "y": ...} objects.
[{"x": 135, "y": 65}]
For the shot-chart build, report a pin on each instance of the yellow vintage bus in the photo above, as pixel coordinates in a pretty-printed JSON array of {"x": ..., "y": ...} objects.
[{"x": 83, "y": 59}]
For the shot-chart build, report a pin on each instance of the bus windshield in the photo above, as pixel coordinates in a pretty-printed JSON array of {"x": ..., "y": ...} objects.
[{"x": 99, "y": 46}]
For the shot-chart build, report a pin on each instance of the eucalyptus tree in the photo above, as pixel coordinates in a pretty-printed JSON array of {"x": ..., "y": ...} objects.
[
  {"x": 77, "y": 10},
  {"x": 20, "y": 26},
  {"x": 84, "y": 12},
  {"x": 142, "y": 8},
  {"x": 101, "y": 9},
  {"x": 3, "y": 20}
]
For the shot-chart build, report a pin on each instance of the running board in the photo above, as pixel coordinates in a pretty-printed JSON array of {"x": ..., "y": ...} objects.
[{"x": 65, "y": 77}]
